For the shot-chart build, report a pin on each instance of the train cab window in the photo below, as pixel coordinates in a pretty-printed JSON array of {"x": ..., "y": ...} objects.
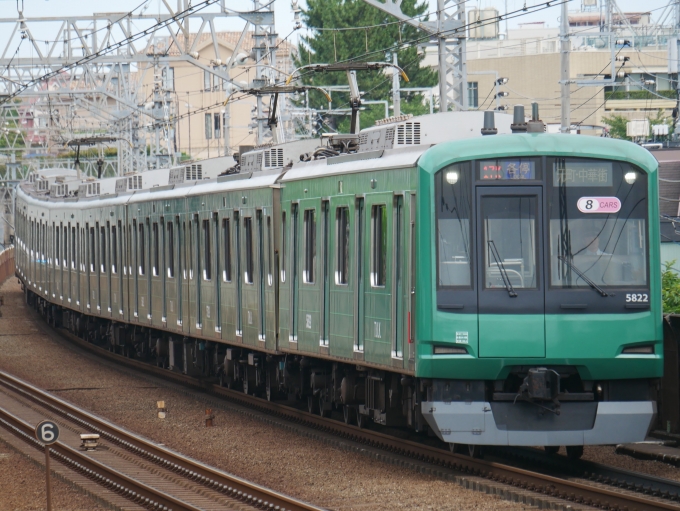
[
  {"x": 453, "y": 191},
  {"x": 248, "y": 232},
  {"x": 93, "y": 247},
  {"x": 509, "y": 231},
  {"x": 102, "y": 250},
  {"x": 342, "y": 228},
  {"x": 171, "y": 249},
  {"x": 226, "y": 239},
  {"x": 207, "y": 262},
  {"x": 598, "y": 224},
  {"x": 142, "y": 250},
  {"x": 379, "y": 245},
  {"x": 114, "y": 250},
  {"x": 156, "y": 262},
  {"x": 310, "y": 246}
]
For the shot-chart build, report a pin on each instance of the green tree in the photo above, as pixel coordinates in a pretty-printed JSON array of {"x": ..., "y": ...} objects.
[
  {"x": 670, "y": 289},
  {"x": 617, "y": 126},
  {"x": 372, "y": 44}
]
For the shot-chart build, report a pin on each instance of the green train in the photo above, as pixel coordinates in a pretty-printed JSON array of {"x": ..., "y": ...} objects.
[{"x": 459, "y": 274}]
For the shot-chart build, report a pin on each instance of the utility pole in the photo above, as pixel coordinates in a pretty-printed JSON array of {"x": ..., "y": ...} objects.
[
  {"x": 396, "y": 98},
  {"x": 677, "y": 65},
  {"x": 565, "y": 44}
]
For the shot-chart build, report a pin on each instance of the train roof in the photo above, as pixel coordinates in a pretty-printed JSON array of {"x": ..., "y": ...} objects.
[{"x": 537, "y": 144}]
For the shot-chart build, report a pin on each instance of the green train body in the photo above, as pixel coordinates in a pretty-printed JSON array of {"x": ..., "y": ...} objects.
[{"x": 370, "y": 283}]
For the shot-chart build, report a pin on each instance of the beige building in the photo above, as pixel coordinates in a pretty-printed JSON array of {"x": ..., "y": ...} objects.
[{"x": 207, "y": 127}]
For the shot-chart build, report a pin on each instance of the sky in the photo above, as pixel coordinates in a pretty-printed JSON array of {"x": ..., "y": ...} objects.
[{"x": 283, "y": 14}]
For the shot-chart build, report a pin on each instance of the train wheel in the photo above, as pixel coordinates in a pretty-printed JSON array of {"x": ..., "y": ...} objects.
[
  {"x": 574, "y": 451},
  {"x": 268, "y": 387},
  {"x": 552, "y": 449},
  {"x": 347, "y": 414},
  {"x": 322, "y": 411},
  {"x": 311, "y": 404}
]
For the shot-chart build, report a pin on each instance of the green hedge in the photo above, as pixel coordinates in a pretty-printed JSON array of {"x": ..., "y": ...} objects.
[{"x": 641, "y": 94}]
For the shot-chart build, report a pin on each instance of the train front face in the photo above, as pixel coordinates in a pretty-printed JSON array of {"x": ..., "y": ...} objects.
[{"x": 539, "y": 316}]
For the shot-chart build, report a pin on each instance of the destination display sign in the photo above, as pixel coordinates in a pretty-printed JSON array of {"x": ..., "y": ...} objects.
[
  {"x": 583, "y": 173},
  {"x": 507, "y": 169}
]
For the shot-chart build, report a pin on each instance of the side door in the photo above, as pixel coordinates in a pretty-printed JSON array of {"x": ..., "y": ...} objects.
[{"x": 510, "y": 274}]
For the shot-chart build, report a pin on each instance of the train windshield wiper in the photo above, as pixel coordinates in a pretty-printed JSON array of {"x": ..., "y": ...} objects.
[
  {"x": 501, "y": 267},
  {"x": 582, "y": 275}
]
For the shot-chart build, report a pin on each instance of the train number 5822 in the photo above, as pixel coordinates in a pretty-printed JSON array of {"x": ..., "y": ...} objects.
[{"x": 635, "y": 297}]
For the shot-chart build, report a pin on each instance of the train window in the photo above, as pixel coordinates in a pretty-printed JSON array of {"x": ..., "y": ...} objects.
[
  {"x": 64, "y": 244},
  {"x": 57, "y": 253},
  {"x": 342, "y": 228},
  {"x": 284, "y": 234},
  {"x": 509, "y": 236},
  {"x": 171, "y": 249},
  {"x": 156, "y": 265},
  {"x": 310, "y": 246},
  {"x": 190, "y": 259},
  {"x": 142, "y": 250},
  {"x": 270, "y": 256},
  {"x": 226, "y": 238},
  {"x": 207, "y": 263},
  {"x": 453, "y": 192},
  {"x": 73, "y": 248},
  {"x": 379, "y": 245},
  {"x": 248, "y": 231},
  {"x": 93, "y": 247},
  {"x": 114, "y": 250},
  {"x": 102, "y": 251},
  {"x": 598, "y": 214}
]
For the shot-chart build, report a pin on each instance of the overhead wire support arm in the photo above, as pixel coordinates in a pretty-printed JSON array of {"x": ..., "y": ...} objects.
[{"x": 351, "y": 69}]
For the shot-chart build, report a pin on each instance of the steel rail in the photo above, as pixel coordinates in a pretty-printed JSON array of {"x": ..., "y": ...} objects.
[
  {"x": 235, "y": 487},
  {"x": 549, "y": 485},
  {"x": 144, "y": 495}
]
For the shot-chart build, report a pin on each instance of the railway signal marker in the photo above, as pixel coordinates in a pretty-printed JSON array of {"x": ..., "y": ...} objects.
[{"x": 48, "y": 433}]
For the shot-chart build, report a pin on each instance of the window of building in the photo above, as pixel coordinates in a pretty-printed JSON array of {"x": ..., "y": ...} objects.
[
  {"x": 379, "y": 245},
  {"x": 171, "y": 249},
  {"x": 473, "y": 94},
  {"x": 216, "y": 124},
  {"x": 207, "y": 263},
  {"x": 342, "y": 226},
  {"x": 208, "y": 126},
  {"x": 226, "y": 237},
  {"x": 206, "y": 80},
  {"x": 248, "y": 230},
  {"x": 310, "y": 246}
]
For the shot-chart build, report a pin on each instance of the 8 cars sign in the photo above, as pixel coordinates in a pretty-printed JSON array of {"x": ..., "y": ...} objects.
[{"x": 599, "y": 204}]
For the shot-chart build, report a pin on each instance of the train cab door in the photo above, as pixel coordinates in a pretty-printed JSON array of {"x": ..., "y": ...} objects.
[{"x": 510, "y": 274}]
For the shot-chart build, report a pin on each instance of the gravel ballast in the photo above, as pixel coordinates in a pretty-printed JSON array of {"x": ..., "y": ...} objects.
[{"x": 297, "y": 465}]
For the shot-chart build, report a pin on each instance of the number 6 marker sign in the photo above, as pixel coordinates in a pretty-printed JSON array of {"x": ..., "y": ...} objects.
[{"x": 599, "y": 205}]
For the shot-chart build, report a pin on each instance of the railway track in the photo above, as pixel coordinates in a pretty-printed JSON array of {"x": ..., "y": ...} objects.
[
  {"x": 146, "y": 474},
  {"x": 585, "y": 485}
]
